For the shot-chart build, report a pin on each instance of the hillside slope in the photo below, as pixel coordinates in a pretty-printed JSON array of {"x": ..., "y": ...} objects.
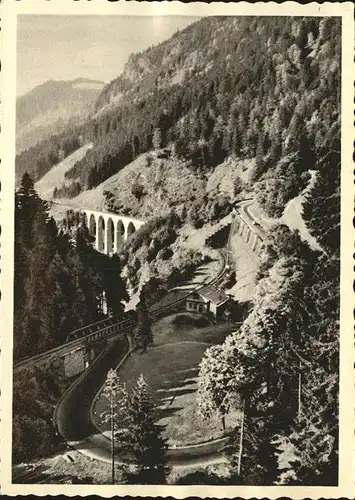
[
  {"x": 163, "y": 184},
  {"x": 56, "y": 176},
  {"x": 50, "y": 106},
  {"x": 262, "y": 89},
  {"x": 149, "y": 186},
  {"x": 292, "y": 215}
]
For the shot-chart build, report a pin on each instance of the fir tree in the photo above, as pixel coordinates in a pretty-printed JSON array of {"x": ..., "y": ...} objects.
[
  {"x": 260, "y": 164},
  {"x": 34, "y": 248},
  {"x": 321, "y": 208},
  {"x": 214, "y": 395},
  {"x": 117, "y": 414},
  {"x": 250, "y": 451},
  {"x": 143, "y": 335},
  {"x": 143, "y": 443},
  {"x": 115, "y": 289},
  {"x": 276, "y": 148}
]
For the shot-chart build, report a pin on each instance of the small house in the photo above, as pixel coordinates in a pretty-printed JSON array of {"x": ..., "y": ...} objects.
[{"x": 208, "y": 300}]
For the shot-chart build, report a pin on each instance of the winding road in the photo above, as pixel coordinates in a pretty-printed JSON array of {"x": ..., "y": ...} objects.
[
  {"x": 72, "y": 414},
  {"x": 256, "y": 224},
  {"x": 74, "y": 424}
]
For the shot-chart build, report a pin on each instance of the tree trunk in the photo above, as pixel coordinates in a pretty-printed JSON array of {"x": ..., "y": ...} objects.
[
  {"x": 299, "y": 410},
  {"x": 241, "y": 441},
  {"x": 223, "y": 423},
  {"x": 112, "y": 446}
]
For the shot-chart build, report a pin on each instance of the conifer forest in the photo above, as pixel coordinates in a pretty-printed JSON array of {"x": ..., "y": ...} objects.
[{"x": 207, "y": 337}]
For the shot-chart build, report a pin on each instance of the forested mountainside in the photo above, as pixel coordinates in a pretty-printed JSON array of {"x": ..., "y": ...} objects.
[
  {"x": 59, "y": 285},
  {"x": 256, "y": 96},
  {"x": 60, "y": 279},
  {"x": 48, "y": 108},
  {"x": 244, "y": 87}
]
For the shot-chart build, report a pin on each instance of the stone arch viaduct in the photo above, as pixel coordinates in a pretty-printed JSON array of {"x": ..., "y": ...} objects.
[{"x": 110, "y": 230}]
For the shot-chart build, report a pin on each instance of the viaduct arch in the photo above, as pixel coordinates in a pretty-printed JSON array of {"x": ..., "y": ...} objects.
[{"x": 110, "y": 230}]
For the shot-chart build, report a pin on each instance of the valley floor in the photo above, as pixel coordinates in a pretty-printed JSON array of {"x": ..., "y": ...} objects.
[
  {"x": 183, "y": 338},
  {"x": 170, "y": 368}
]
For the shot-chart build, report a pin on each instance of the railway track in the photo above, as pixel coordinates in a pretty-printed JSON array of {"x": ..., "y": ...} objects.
[
  {"x": 105, "y": 329},
  {"x": 110, "y": 327}
]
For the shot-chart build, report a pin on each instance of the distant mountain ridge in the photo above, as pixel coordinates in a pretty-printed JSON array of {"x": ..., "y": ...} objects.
[
  {"x": 49, "y": 107},
  {"x": 224, "y": 88}
]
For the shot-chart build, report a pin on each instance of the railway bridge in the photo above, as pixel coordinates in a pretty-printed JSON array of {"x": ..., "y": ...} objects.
[
  {"x": 110, "y": 230},
  {"x": 82, "y": 346},
  {"x": 85, "y": 344}
]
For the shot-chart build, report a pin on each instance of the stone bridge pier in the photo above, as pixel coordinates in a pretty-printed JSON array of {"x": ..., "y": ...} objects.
[
  {"x": 80, "y": 358},
  {"x": 110, "y": 230}
]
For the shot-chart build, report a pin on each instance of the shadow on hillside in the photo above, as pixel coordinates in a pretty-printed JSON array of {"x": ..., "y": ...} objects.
[
  {"x": 192, "y": 372},
  {"x": 179, "y": 382},
  {"x": 176, "y": 394},
  {"x": 171, "y": 389},
  {"x": 168, "y": 412}
]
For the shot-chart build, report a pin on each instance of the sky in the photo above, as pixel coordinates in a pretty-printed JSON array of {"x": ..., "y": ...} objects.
[{"x": 95, "y": 47}]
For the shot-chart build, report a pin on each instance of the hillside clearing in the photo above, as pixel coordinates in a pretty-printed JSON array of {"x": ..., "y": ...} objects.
[
  {"x": 56, "y": 175},
  {"x": 170, "y": 368},
  {"x": 166, "y": 183},
  {"x": 292, "y": 215}
]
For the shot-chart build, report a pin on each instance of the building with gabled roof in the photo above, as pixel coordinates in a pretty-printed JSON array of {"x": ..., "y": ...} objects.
[{"x": 208, "y": 300}]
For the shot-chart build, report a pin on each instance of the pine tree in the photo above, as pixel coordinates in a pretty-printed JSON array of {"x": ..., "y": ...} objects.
[
  {"x": 321, "y": 208},
  {"x": 214, "y": 395},
  {"x": 34, "y": 249},
  {"x": 117, "y": 414},
  {"x": 38, "y": 317},
  {"x": 78, "y": 309},
  {"x": 315, "y": 433},
  {"x": 29, "y": 208},
  {"x": 260, "y": 165},
  {"x": 143, "y": 444},
  {"x": 60, "y": 282},
  {"x": 276, "y": 148},
  {"x": 237, "y": 142},
  {"x": 115, "y": 288},
  {"x": 143, "y": 335},
  {"x": 250, "y": 451}
]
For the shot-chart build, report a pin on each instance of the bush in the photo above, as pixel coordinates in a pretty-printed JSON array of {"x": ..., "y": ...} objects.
[
  {"x": 282, "y": 183},
  {"x": 189, "y": 320},
  {"x": 162, "y": 228},
  {"x": 208, "y": 208},
  {"x": 68, "y": 190},
  {"x": 138, "y": 191},
  {"x": 153, "y": 290}
]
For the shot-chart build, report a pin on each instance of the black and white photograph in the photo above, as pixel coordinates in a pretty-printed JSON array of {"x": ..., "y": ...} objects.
[{"x": 178, "y": 250}]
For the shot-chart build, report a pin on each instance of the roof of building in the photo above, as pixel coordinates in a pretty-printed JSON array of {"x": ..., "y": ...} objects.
[{"x": 213, "y": 294}]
